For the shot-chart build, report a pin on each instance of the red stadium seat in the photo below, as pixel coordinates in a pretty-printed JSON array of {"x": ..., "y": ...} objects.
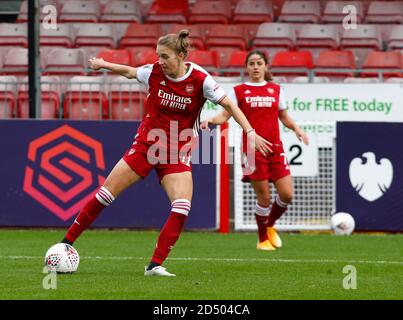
[
  {"x": 275, "y": 37},
  {"x": 253, "y": 11},
  {"x": 292, "y": 60},
  {"x": 317, "y": 38},
  {"x": 140, "y": 35},
  {"x": 196, "y": 35},
  {"x": 93, "y": 38},
  {"x": 277, "y": 5},
  {"x": 142, "y": 57},
  {"x": 65, "y": 62},
  {"x": 300, "y": 11},
  {"x": 333, "y": 12},
  {"x": 224, "y": 55},
  {"x": 204, "y": 58},
  {"x": 62, "y": 36},
  {"x": 95, "y": 34},
  {"x": 395, "y": 39},
  {"x": 23, "y": 13},
  {"x": 167, "y": 11},
  {"x": 80, "y": 11},
  {"x": 119, "y": 56},
  {"x": 16, "y": 62},
  {"x": 236, "y": 61},
  {"x": 335, "y": 60},
  {"x": 362, "y": 40},
  {"x": 385, "y": 12},
  {"x": 13, "y": 34},
  {"x": 50, "y": 98},
  {"x": 8, "y": 89},
  {"x": 121, "y": 11},
  {"x": 126, "y": 98},
  {"x": 250, "y": 31},
  {"x": 147, "y": 57},
  {"x": 209, "y": 11},
  {"x": 85, "y": 99},
  {"x": 383, "y": 60},
  {"x": 231, "y": 36}
]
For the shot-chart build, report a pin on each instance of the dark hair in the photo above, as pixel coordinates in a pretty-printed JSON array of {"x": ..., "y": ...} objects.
[
  {"x": 267, "y": 76},
  {"x": 176, "y": 42}
]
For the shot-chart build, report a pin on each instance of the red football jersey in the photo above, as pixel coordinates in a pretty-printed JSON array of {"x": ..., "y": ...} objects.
[
  {"x": 260, "y": 102},
  {"x": 174, "y": 104}
]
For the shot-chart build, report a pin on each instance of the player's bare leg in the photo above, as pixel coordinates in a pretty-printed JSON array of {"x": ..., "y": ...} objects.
[
  {"x": 262, "y": 191},
  {"x": 284, "y": 188},
  {"x": 179, "y": 188},
  {"x": 285, "y": 192},
  {"x": 119, "y": 179}
]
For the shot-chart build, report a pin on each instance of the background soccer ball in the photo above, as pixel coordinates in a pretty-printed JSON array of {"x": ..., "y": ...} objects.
[
  {"x": 62, "y": 258},
  {"x": 342, "y": 223}
]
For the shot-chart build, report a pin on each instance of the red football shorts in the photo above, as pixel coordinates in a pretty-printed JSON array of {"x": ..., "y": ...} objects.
[
  {"x": 142, "y": 162},
  {"x": 272, "y": 167}
]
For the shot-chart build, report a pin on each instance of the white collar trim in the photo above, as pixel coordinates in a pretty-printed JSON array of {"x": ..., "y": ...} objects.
[
  {"x": 187, "y": 74},
  {"x": 256, "y": 84}
]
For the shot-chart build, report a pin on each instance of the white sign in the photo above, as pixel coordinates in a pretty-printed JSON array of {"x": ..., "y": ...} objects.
[
  {"x": 303, "y": 160},
  {"x": 379, "y": 102}
]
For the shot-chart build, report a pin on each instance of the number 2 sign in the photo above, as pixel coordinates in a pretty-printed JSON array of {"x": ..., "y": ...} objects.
[{"x": 303, "y": 160}]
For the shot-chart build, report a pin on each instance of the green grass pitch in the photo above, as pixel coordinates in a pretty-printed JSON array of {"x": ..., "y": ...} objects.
[{"x": 209, "y": 266}]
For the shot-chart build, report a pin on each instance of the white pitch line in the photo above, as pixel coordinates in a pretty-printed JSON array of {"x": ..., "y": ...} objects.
[{"x": 225, "y": 259}]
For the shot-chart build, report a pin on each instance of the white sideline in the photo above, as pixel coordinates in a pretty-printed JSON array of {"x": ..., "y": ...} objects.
[{"x": 225, "y": 259}]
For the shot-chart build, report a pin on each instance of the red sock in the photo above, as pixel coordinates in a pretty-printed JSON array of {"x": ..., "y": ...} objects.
[
  {"x": 89, "y": 213},
  {"x": 277, "y": 210},
  {"x": 261, "y": 216},
  {"x": 171, "y": 231}
]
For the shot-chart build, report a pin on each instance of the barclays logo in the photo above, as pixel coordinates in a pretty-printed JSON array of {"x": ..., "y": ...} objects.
[{"x": 369, "y": 178}]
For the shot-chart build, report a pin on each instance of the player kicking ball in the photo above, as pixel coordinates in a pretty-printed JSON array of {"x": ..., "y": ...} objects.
[
  {"x": 177, "y": 93},
  {"x": 263, "y": 104}
]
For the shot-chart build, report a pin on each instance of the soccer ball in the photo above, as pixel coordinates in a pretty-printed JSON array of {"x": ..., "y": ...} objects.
[
  {"x": 342, "y": 223},
  {"x": 62, "y": 258}
]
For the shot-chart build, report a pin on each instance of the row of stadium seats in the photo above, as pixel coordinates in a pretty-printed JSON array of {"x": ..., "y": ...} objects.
[
  {"x": 69, "y": 62},
  {"x": 99, "y": 98},
  {"x": 203, "y": 36},
  {"x": 223, "y": 11},
  {"x": 83, "y": 98},
  {"x": 272, "y": 37}
]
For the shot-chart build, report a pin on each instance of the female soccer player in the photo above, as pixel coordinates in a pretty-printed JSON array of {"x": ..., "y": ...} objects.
[
  {"x": 263, "y": 104},
  {"x": 177, "y": 92}
]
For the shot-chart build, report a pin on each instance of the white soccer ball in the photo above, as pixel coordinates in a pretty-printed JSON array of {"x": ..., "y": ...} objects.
[
  {"x": 342, "y": 223},
  {"x": 62, "y": 258}
]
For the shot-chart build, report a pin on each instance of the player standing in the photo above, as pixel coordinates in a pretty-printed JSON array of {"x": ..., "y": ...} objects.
[
  {"x": 263, "y": 104},
  {"x": 177, "y": 92}
]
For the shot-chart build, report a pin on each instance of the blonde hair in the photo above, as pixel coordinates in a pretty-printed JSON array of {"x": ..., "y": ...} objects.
[{"x": 176, "y": 42}]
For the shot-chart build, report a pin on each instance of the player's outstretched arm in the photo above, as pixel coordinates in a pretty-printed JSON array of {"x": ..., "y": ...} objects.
[
  {"x": 290, "y": 124},
  {"x": 260, "y": 144},
  {"x": 125, "y": 71}
]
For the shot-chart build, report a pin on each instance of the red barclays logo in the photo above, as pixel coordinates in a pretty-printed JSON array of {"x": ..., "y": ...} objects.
[{"x": 63, "y": 173}]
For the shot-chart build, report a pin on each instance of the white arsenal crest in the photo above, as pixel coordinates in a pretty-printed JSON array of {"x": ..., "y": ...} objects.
[
  {"x": 270, "y": 90},
  {"x": 189, "y": 88}
]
